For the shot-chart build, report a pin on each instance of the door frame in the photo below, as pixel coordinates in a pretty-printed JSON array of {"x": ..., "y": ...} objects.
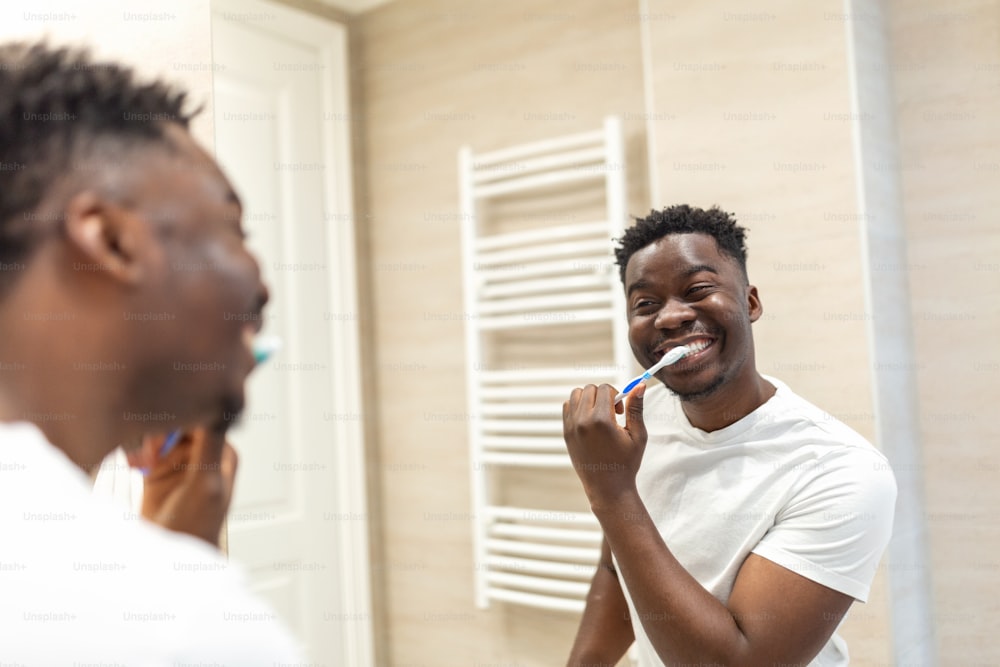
[{"x": 329, "y": 40}]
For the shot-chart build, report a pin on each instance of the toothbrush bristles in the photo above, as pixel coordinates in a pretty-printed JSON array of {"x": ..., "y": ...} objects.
[
  {"x": 265, "y": 346},
  {"x": 673, "y": 356}
]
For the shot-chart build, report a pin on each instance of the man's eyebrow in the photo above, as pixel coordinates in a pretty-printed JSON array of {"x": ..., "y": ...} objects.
[
  {"x": 698, "y": 268},
  {"x": 639, "y": 284}
]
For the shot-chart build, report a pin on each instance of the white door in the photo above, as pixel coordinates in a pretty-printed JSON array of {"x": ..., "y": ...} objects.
[{"x": 298, "y": 522}]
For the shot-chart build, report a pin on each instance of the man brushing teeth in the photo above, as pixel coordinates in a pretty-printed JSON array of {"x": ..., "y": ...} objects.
[
  {"x": 695, "y": 346},
  {"x": 740, "y": 521}
]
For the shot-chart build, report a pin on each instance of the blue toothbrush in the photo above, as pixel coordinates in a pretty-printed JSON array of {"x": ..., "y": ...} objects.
[{"x": 671, "y": 357}]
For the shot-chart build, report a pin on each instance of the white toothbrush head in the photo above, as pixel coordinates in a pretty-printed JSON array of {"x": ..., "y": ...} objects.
[
  {"x": 672, "y": 356},
  {"x": 675, "y": 354},
  {"x": 264, "y": 347}
]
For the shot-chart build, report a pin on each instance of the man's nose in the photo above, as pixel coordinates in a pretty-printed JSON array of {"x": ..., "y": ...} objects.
[
  {"x": 674, "y": 314},
  {"x": 263, "y": 295}
]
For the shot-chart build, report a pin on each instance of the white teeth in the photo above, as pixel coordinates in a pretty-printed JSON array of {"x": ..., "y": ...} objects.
[
  {"x": 675, "y": 354},
  {"x": 698, "y": 346}
]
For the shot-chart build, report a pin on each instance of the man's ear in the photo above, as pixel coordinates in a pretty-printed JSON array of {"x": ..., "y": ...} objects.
[
  {"x": 105, "y": 235},
  {"x": 754, "y": 307}
]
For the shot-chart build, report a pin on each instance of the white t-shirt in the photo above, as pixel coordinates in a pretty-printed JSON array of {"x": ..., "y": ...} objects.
[
  {"x": 787, "y": 482},
  {"x": 85, "y": 582}
]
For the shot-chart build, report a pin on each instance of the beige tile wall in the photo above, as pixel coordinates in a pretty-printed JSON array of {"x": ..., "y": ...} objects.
[
  {"x": 437, "y": 74},
  {"x": 947, "y": 86}
]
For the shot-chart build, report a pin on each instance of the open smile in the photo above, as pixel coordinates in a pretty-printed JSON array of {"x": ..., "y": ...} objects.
[{"x": 698, "y": 346}]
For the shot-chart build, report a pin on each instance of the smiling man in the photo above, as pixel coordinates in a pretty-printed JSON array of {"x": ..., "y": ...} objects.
[
  {"x": 740, "y": 521},
  {"x": 125, "y": 295}
]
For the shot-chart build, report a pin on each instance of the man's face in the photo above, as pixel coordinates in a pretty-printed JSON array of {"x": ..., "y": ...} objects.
[
  {"x": 204, "y": 282},
  {"x": 681, "y": 290}
]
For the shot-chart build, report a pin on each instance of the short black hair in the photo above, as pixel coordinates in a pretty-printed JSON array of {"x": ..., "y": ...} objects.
[
  {"x": 57, "y": 107},
  {"x": 684, "y": 219}
]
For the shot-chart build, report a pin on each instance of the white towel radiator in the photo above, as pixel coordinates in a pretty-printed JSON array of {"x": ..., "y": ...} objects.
[{"x": 555, "y": 276}]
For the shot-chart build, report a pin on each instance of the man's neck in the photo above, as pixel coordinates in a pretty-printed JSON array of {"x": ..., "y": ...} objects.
[
  {"x": 51, "y": 346},
  {"x": 76, "y": 430},
  {"x": 76, "y": 411},
  {"x": 729, "y": 404}
]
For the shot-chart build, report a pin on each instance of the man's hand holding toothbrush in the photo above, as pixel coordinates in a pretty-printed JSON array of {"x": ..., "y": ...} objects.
[
  {"x": 188, "y": 488},
  {"x": 605, "y": 455}
]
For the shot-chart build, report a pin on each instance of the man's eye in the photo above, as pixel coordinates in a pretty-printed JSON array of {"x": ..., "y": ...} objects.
[{"x": 643, "y": 305}]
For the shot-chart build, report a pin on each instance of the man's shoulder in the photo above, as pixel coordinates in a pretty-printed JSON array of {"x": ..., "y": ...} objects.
[
  {"x": 808, "y": 420},
  {"x": 824, "y": 452}
]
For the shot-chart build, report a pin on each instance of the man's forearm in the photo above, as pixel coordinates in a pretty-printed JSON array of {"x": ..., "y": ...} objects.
[{"x": 605, "y": 630}]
